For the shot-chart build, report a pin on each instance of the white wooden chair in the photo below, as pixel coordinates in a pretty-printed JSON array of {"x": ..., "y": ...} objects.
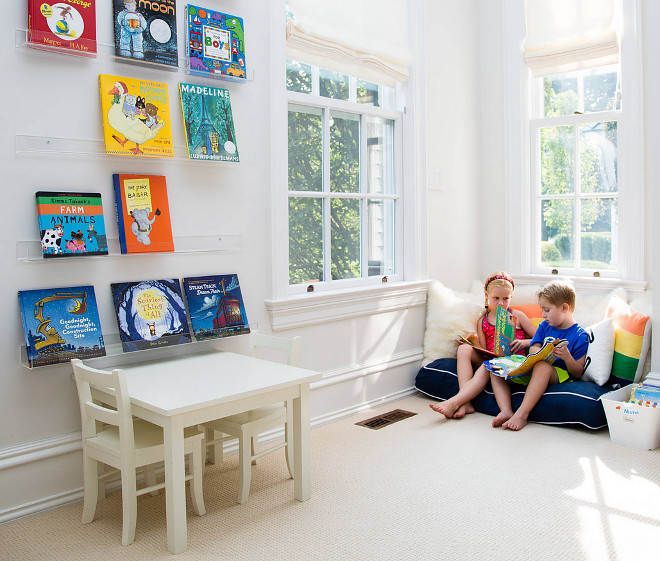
[
  {"x": 248, "y": 425},
  {"x": 112, "y": 437}
]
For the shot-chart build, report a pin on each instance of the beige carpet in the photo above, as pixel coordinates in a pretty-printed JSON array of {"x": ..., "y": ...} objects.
[{"x": 422, "y": 488}]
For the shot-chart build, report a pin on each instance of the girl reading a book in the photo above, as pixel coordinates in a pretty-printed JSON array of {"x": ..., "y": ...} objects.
[{"x": 498, "y": 291}]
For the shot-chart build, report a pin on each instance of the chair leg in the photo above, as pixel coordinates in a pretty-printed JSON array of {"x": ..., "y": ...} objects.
[
  {"x": 150, "y": 477},
  {"x": 102, "y": 480},
  {"x": 252, "y": 439},
  {"x": 90, "y": 488},
  {"x": 129, "y": 505},
  {"x": 215, "y": 451},
  {"x": 289, "y": 443},
  {"x": 245, "y": 468},
  {"x": 196, "y": 468}
]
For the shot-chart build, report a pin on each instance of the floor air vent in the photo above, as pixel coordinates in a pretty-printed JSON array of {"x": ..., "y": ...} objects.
[{"x": 385, "y": 419}]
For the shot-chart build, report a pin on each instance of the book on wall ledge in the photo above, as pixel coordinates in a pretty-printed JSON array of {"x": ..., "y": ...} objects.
[
  {"x": 505, "y": 331},
  {"x": 208, "y": 122},
  {"x": 146, "y": 31},
  {"x": 136, "y": 117},
  {"x": 216, "y": 43},
  {"x": 60, "y": 324},
  {"x": 68, "y": 26},
  {"x": 518, "y": 365},
  {"x": 215, "y": 305},
  {"x": 143, "y": 213},
  {"x": 71, "y": 224},
  {"x": 150, "y": 314}
]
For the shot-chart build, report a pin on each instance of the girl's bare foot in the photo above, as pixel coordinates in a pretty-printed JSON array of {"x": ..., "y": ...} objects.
[
  {"x": 447, "y": 408},
  {"x": 516, "y": 422},
  {"x": 463, "y": 410},
  {"x": 503, "y": 417}
]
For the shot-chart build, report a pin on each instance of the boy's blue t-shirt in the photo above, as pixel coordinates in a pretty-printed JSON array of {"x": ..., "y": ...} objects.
[{"x": 578, "y": 340}]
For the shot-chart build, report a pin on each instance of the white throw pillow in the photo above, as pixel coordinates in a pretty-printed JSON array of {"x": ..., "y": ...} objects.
[{"x": 600, "y": 352}]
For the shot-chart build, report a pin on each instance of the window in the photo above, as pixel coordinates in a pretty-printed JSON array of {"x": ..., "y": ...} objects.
[{"x": 344, "y": 187}]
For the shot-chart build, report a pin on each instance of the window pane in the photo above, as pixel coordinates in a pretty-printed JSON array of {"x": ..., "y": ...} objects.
[
  {"x": 560, "y": 95},
  {"x": 368, "y": 93},
  {"x": 557, "y": 157},
  {"x": 305, "y": 151},
  {"x": 598, "y": 233},
  {"x": 380, "y": 156},
  {"x": 344, "y": 153},
  {"x": 305, "y": 239},
  {"x": 298, "y": 76},
  {"x": 333, "y": 84},
  {"x": 557, "y": 233},
  {"x": 586, "y": 91},
  {"x": 601, "y": 90},
  {"x": 345, "y": 230},
  {"x": 598, "y": 158},
  {"x": 381, "y": 236}
]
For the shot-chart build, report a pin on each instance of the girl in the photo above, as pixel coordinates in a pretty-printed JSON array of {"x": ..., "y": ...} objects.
[{"x": 498, "y": 290}]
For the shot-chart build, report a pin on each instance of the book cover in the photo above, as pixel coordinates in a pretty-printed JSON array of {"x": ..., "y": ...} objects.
[
  {"x": 216, "y": 306},
  {"x": 150, "y": 314},
  {"x": 67, "y": 25},
  {"x": 645, "y": 394},
  {"x": 143, "y": 213},
  {"x": 71, "y": 224},
  {"x": 216, "y": 43},
  {"x": 60, "y": 324},
  {"x": 208, "y": 122},
  {"x": 136, "y": 117},
  {"x": 505, "y": 331},
  {"x": 145, "y": 31},
  {"x": 518, "y": 365}
]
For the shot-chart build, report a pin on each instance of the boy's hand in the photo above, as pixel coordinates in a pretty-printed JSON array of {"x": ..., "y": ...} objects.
[{"x": 562, "y": 352}]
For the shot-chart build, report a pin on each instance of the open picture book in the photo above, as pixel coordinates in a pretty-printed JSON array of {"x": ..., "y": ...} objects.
[
  {"x": 505, "y": 332},
  {"x": 518, "y": 365}
]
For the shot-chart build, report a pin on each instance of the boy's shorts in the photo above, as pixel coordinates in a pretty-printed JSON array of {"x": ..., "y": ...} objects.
[{"x": 562, "y": 374}]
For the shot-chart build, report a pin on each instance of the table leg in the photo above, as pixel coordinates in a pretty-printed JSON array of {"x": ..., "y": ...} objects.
[
  {"x": 301, "y": 453},
  {"x": 175, "y": 486}
]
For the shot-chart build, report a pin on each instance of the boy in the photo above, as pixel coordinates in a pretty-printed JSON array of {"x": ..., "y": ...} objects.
[{"x": 557, "y": 300}]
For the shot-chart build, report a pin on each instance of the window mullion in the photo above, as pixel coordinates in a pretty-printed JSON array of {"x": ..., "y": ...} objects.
[
  {"x": 577, "y": 190},
  {"x": 364, "y": 214},
  {"x": 327, "y": 203}
]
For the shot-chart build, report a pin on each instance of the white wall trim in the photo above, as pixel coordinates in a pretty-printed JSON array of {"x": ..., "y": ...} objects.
[
  {"x": 586, "y": 284},
  {"x": 41, "y": 505},
  {"x": 303, "y": 310},
  {"x": 40, "y": 450}
]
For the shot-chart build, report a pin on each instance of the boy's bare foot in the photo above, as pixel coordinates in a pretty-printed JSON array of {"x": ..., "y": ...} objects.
[
  {"x": 447, "y": 408},
  {"x": 516, "y": 422},
  {"x": 502, "y": 418},
  {"x": 463, "y": 410}
]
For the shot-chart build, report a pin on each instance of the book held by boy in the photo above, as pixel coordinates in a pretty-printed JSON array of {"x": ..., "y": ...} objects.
[
  {"x": 517, "y": 365},
  {"x": 216, "y": 306},
  {"x": 150, "y": 314},
  {"x": 143, "y": 213},
  {"x": 71, "y": 224},
  {"x": 68, "y": 26},
  {"x": 60, "y": 324}
]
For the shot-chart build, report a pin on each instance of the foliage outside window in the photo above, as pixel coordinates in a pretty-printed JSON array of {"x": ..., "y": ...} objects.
[
  {"x": 576, "y": 165},
  {"x": 343, "y": 195}
]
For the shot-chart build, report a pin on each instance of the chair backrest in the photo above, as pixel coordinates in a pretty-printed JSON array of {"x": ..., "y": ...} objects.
[
  {"x": 92, "y": 412},
  {"x": 290, "y": 348}
]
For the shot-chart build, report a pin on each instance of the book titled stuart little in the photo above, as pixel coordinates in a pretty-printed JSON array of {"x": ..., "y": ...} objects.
[
  {"x": 136, "y": 117},
  {"x": 143, "y": 213},
  {"x": 67, "y": 25}
]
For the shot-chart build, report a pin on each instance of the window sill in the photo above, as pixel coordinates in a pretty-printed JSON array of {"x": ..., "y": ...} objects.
[
  {"x": 584, "y": 284},
  {"x": 309, "y": 309}
]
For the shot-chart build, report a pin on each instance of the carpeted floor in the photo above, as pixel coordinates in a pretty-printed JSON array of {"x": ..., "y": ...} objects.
[{"x": 422, "y": 488}]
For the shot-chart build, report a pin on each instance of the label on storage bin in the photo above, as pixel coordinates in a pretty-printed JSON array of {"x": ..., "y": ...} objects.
[{"x": 629, "y": 415}]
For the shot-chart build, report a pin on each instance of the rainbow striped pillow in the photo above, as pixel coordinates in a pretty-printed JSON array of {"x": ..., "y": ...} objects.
[{"x": 631, "y": 341}]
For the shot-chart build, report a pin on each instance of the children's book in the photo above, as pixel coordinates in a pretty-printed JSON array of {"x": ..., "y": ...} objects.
[
  {"x": 136, "y": 117},
  {"x": 473, "y": 340},
  {"x": 216, "y": 43},
  {"x": 645, "y": 394},
  {"x": 143, "y": 213},
  {"x": 71, "y": 224},
  {"x": 505, "y": 332},
  {"x": 208, "y": 122},
  {"x": 60, "y": 324},
  {"x": 67, "y": 26},
  {"x": 518, "y": 365},
  {"x": 145, "y": 31},
  {"x": 150, "y": 314},
  {"x": 216, "y": 306}
]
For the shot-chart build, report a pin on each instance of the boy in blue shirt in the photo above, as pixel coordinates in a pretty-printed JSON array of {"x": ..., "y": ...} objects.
[{"x": 557, "y": 300}]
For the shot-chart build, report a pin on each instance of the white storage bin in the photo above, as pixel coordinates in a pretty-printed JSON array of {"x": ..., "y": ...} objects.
[{"x": 631, "y": 424}]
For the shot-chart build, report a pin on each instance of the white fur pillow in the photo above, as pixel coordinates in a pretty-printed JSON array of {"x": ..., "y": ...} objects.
[
  {"x": 600, "y": 352},
  {"x": 448, "y": 315}
]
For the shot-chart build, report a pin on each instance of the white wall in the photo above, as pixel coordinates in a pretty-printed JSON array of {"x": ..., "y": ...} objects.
[{"x": 365, "y": 360}]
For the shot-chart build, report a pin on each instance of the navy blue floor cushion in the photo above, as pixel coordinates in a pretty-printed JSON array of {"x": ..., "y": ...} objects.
[{"x": 571, "y": 403}]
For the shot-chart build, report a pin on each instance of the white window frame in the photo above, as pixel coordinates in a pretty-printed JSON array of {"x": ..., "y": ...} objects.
[{"x": 520, "y": 149}]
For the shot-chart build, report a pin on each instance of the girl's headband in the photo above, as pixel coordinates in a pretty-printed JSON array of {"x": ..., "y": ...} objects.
[{"x": 502, "y": 277}]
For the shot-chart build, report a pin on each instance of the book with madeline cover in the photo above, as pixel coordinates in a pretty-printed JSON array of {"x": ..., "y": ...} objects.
[
  {"x": 71, "y": 224},
  {"x": 136, "y": 117},
  {"x": 208, "y": 122},
  {"x": 143, "y": 213},
  {"x": 517, "y": 365},
  {"x": 67, "y": 25},
  {"x": 150, "y": 314},
  {"x": 145, "y": 31},
  {"x": 216, "y": 306},
  {"x": 216, "y": 43},
  {"x": 60, "y": 324}
]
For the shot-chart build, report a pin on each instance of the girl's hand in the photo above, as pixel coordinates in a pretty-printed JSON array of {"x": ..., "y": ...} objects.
[{"x": 519, "y": 346}]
